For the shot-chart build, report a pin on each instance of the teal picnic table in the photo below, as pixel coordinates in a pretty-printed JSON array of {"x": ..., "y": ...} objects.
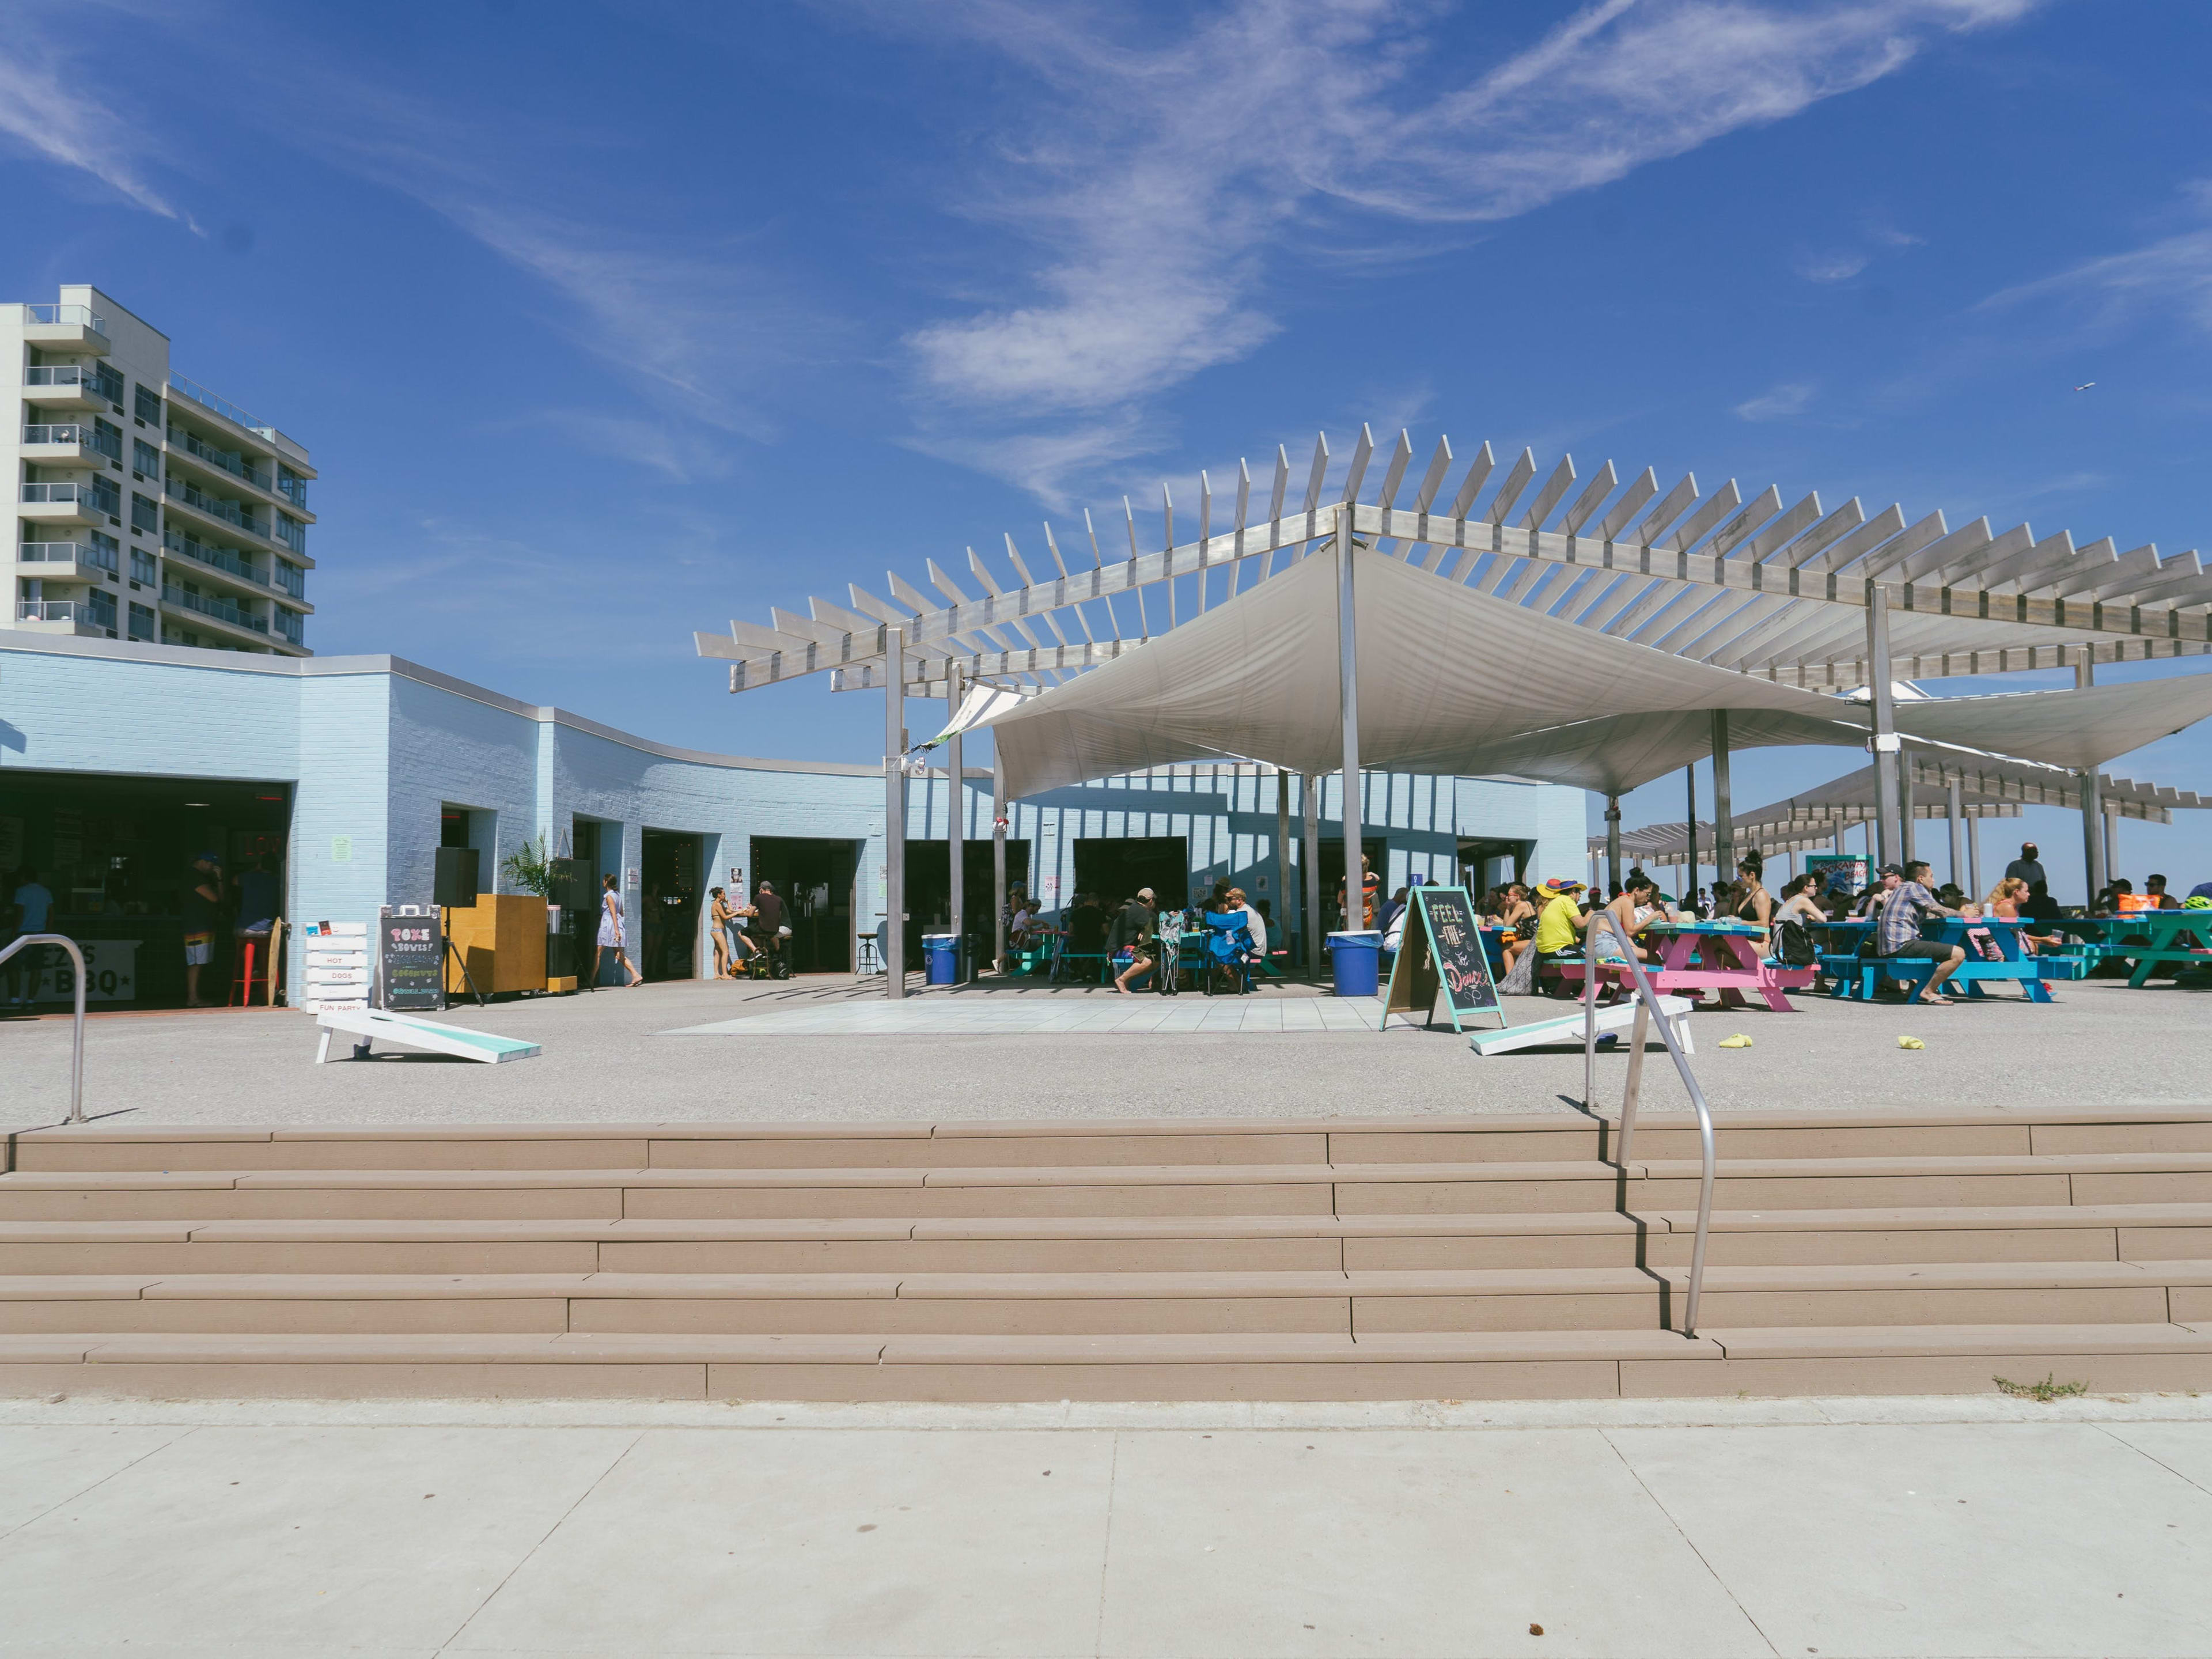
[
  {"x": 1857, "y": 977},
  {"x": 2153, "y": 940}
]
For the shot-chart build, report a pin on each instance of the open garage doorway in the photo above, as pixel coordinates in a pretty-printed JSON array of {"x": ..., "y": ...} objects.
[
  {"x": 668, "y": 900},
  {"x": 929, "y": 890},
  {"x": 1115, "y": 866},
  {"x": 116, "y": 854},
  {"x": 814, "y": 878}
]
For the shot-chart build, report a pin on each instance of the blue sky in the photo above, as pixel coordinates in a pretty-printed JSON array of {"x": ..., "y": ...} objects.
[{"x": 609, "y": 322}]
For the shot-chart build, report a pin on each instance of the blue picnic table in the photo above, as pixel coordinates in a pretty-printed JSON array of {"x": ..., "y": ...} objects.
[{"x": 1858, "y": 977}]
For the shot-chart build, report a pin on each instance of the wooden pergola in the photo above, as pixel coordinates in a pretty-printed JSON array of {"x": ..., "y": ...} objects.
[{"x": 1793, "y": 592}]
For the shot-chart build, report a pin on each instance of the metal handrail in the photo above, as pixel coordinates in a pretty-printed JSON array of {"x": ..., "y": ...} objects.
[
  {"x": 76, "y": 1048},
  {"x": 1647, "y": 1013}
]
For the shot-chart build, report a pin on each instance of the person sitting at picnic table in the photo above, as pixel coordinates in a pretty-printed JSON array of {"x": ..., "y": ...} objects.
[
  {"x": 1132, "y": 928},
  {"x": 1255, "y": 923},
  {"x": 1751, "y": 902},
  {"x": 2156, "y": 896},
  {"x": 2007, "y": 901},
  {"x": 1635, "y": 911},
  {"x": 1561, "y": 921},
  {"x": 1897, "y": 932},
  {"x": 1801, "y": 902},
  {"x": 1886, "y": 881},
  {"x": 2118, "y": 900}
]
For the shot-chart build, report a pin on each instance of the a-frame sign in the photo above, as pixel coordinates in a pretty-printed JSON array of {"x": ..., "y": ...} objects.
[{"x": 1441, "y": 950}]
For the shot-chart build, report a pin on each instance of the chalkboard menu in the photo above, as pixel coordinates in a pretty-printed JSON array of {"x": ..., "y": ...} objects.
[
  {"x": 1440, "y": 950},
  {"x": 409, "y": 951}
]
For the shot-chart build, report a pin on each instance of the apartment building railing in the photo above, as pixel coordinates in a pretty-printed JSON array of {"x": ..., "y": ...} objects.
[
  {"x": 230, "y": 512},
  {"x": 68, "y": 611},
  {"x": 220, "y": 558},
  {"x": 58, "y": 374},
  {"x": 228, "y": 459},
  {"x": 221, "y": 610},
  {"x": 67, "y": 553},
  {"x": 222, "y": 406},
  {"x": 83, "y": 316},
  {"x": 108, "y": 500},
  {"x": 75, "y": 432}
]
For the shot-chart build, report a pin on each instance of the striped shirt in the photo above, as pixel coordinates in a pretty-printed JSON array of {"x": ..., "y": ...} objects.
[{"x": 1900, "y": 924}]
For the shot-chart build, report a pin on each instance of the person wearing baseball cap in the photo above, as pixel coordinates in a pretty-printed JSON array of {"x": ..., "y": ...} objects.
[{"x": 1561, "y": 920}]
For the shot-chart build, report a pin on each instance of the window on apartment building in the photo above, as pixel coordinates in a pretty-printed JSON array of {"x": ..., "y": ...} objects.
[
  {"x": 147, "y": 406},
  {"x": 108, "y": 498},
  {"x": 142, "y": 567},
  {"x": 107, "y": 381},
  {"x": 145, "y": 459},
  {"x": 290, "y": 577},
  {"x": 107, "y": 438},
  {"x": 292, "y": 484},
  {"x": 287, "y": 622},
  {"x": 144, "y": 515},
  {"x": 291, "y": 532},
  {"x": 142, "y": 620},
  {"x": 101, "y": 604}
]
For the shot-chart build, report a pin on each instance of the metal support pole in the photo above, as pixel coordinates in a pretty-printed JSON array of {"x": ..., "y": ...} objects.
[
  {"x": 1954, "y": 809},
  {"x": 1310, "y": 918},
  {"x": 2111, "y": 841},
  {"x": 1690, "y": 842},
  {"x": 1348, "y": 669},
  {"x": 1974, "y": 888},
  {"x": 1612, "y": 839},
  {"x": 956, "y": 825},
  {"x": 1723, "y": 824},
  {"x": 1909, "y": 802},
  {"x": 1282, "y": 858},
  {"x": 895, "y": 814},
  {"x": 997, "y": 859},
  {"x": 2095, "y": 863},
  {"x": 1888, "y": 845}
]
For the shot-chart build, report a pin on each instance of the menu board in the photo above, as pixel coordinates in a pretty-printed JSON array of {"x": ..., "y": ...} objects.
[
  {"x": 1440, "y": 950},
  {"x": 410, "y": 945}
]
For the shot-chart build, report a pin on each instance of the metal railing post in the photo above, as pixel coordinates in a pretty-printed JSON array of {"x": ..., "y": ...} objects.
[
  {"x": 1648, "y": 1005},
  {"x": 77, "y": 1042}
]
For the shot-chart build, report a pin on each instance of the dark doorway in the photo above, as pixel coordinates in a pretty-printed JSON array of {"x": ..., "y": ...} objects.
[
  {"x": 670, "y": 903},
  {"x": 1489, "y": 863},
  {"x": 814, "y": 879},
  {"x": 1377, "y": 851},
  {"x": 116, "y": 854},
  {"x": 929, "y": 890},
  {"x": 1115, "y": 867}
]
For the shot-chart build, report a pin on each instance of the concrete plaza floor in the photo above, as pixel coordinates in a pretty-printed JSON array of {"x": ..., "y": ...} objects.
[
  {"x": 827, "y": 1048},
  {"x": 1979, "y": 1527}
]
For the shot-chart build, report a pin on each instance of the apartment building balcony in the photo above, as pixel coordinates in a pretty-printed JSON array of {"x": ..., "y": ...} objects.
[
  {"x": 186, "y": 499},
  {"x": 81, "y": 617},
  {"x": 66, "y": 328},
  {"x": 69, "y": 443},
  {"x": 214, "y": 609},
  {"x": 67, "y": 562},
  {"x": 235, "y": 570},
  {"x": 70, "y": 504},
  {"x": 186, "y": 444},
  {"x": 63, "y": 386}
]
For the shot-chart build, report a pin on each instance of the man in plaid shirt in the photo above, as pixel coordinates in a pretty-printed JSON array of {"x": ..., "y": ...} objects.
[{"x": 1897, "y": 927}]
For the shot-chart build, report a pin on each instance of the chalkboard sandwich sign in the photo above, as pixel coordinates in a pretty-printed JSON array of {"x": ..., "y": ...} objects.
[
  {"x": 409, "y": 949},
  {"x": 1440, "y": 953}
]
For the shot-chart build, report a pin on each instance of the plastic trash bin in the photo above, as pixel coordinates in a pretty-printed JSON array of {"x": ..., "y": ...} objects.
[
  {"x": 1356, "y": 955},
  {"x": 942, "y": 952}
]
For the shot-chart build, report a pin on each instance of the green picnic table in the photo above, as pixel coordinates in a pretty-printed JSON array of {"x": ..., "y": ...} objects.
[{"x": 2153, "y": 938}]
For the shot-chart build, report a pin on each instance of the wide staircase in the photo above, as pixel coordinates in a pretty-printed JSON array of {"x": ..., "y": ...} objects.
[{"x": 1472, "y": 1258}]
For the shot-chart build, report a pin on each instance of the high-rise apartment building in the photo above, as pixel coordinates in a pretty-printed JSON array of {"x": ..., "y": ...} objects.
[{"x": 146, "y": 507}]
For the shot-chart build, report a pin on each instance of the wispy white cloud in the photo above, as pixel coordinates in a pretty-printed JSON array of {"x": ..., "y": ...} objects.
[
  {"x": 1158, "y": 182},
  {"x": 2170, "y": 275},
  {"x": 49, "y": 107},
  {"x": 1792, "y": 397},
  {"x": 1833, "y": 267}
]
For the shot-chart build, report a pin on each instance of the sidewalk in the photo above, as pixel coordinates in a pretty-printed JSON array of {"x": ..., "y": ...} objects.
[{"x": 1982, "y": 1526}]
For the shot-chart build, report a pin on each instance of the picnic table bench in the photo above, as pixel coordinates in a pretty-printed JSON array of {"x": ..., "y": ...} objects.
[{"x": 1857, "y": 978}]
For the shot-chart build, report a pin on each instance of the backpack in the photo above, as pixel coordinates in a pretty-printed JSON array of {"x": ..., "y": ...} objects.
[{"x": 1793, "y": 943}]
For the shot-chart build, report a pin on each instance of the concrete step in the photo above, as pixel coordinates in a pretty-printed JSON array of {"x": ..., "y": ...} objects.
[
  {"x": 1463, "y": 1365},
  {"x": 1550, "y": 1138},
  {"x": 1361, "y": 1303},
  {"x": 1020, "y": 1191}
]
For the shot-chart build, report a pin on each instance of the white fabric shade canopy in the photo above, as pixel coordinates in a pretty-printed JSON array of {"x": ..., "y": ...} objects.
[
  {"x": 1446, "y": 674},
  {"x": 2079, "y": 729}
]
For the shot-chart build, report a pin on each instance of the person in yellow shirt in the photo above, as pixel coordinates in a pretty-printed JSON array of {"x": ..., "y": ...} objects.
[{"x": 1560, "y": 921}]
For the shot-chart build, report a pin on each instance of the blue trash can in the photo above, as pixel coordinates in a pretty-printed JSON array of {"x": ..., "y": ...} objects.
[
  {"x": 942, "y": 952},
  {"x": 1357, "y": 956}
]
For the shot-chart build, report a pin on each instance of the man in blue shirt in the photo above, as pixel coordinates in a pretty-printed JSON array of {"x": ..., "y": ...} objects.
[
  {"x": 1897, "y": 928},
  {"x": 33, "y": 905}
]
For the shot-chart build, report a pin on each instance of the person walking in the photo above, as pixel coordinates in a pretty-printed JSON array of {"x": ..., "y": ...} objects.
[{"x": 611, "y": 935}]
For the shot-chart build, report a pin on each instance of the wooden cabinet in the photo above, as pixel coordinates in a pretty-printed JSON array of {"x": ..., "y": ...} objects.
[{"x": 503, "y": 939}]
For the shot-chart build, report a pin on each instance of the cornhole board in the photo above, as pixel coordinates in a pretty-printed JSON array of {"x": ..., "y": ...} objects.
[
  {"x": 410, "y": 1032},
  {"x": 1569, "y": 1027}
]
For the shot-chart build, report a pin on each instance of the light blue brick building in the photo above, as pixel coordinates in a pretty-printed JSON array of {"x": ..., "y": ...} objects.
[{"x": 348, "y": 773}]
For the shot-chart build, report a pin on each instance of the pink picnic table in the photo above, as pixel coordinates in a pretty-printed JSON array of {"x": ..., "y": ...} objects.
[{"x": 1727, "y": 958}]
